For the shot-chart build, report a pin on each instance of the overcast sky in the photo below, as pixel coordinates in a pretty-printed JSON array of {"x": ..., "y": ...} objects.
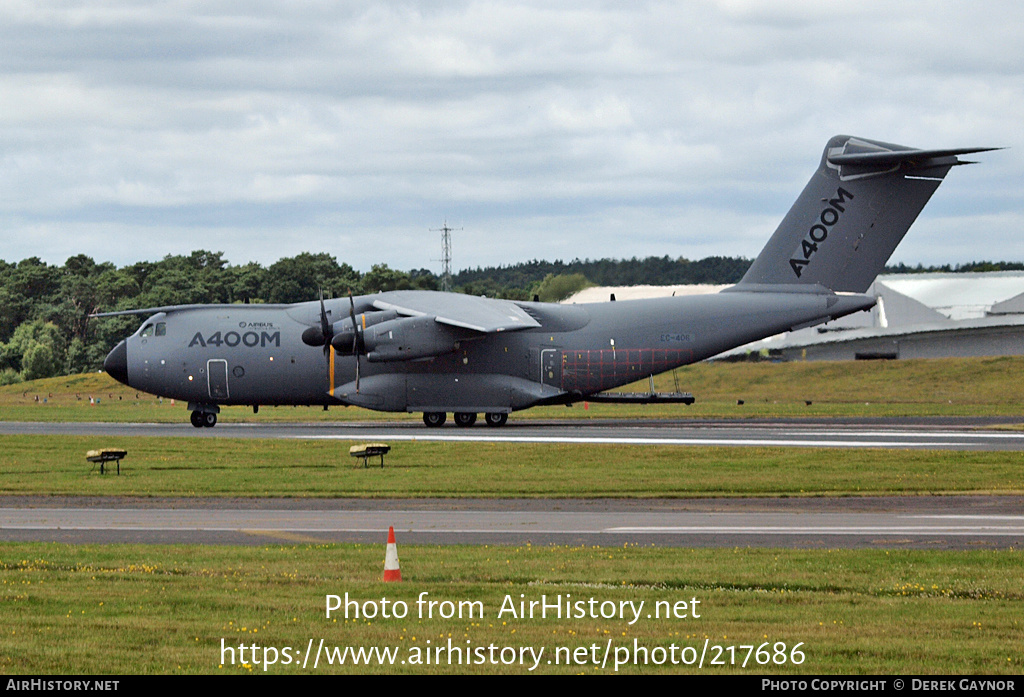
[{"x": 132, "y": 130}]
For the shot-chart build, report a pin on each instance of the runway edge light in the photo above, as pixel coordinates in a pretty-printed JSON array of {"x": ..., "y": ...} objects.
[{"x": 391, "y": 570}]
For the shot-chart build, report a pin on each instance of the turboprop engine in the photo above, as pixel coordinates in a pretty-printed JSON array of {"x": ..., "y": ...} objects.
[
  {"x": 401, "y": 339},
  {"x": 349, "y": 333}
]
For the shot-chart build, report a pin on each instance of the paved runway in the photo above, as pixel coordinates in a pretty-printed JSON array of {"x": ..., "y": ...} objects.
[
  {"x": 933, "y": 433},
  {"x": 954, "y": 522}
]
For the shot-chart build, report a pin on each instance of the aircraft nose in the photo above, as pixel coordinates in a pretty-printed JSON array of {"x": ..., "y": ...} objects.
[{"x": 116, "y": 363}]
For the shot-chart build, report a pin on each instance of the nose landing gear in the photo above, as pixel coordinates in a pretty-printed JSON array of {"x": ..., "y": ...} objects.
[{"x": 203, "y": 419}]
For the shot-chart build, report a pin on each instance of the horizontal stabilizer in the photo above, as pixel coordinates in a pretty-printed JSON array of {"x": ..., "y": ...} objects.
[{"x": 894, "y": 157}]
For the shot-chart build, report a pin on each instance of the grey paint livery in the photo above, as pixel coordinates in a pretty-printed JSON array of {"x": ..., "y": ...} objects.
[{"x": 431, "y": 352}]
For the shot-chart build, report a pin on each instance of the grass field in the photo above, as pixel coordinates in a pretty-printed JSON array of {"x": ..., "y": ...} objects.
[
  {"x": 255, "y": 467},
  {"x": 932, "y": 387},
  {"x": 148, "y": 609},
  {"x": 126, "y": 609}
]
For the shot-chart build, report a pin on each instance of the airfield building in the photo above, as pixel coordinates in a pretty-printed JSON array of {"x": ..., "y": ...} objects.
[{"x": 917, "y": 316}]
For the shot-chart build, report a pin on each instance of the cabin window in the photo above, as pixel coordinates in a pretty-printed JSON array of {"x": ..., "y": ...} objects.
[
  {"x": 147, "y": 330},
  {"x": 161, "y": 328}
]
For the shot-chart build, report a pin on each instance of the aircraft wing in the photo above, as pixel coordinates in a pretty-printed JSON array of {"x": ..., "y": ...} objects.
[
  {"x": 485, "y": 315},
  {"x": 165, "y": 308}
]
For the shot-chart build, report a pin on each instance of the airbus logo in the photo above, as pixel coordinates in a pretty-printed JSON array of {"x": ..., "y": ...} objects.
[{"x": 819, "y": 231}]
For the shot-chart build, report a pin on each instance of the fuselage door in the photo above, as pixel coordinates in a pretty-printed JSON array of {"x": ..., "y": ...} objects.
[
  {"x": 217, "y": 375},
  {"x": 551, "y": 367}
]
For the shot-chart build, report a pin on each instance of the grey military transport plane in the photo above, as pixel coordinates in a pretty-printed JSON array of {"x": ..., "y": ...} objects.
[{"x": 431, "y": 352}]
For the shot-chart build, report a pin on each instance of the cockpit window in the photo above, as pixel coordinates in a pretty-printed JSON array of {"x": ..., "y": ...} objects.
[{"x": 153, "y": 329}]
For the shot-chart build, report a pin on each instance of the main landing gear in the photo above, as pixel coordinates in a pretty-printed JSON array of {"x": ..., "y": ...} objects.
[
  {"x": 434, "y": 419},
  {"x": 496, "y": 418},
  {"x": 463, "y": 419}
]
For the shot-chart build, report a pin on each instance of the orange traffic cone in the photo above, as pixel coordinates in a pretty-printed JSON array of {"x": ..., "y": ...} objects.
[{"x": 391, "y": 570}]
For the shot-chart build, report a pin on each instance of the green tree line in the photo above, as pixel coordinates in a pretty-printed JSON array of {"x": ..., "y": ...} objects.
[
  {"x": 608, "y": 272},
  {"x": 46, "y": 329}
]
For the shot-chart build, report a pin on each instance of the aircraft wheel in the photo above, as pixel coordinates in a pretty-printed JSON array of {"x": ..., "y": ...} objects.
[
  {"x": 496, "y": 418},
  {"x": 434, "y": 419},
  {"x": 209, "y": 419},
  {"x": 196, "y": 418},
  {"x": 465, "y": 418}
]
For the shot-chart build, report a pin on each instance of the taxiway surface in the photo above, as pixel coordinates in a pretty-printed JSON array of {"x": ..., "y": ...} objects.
[{"x": 946, "y": 522}]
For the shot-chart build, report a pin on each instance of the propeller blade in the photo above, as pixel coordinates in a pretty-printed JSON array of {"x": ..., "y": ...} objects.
[
  {"x": 355, "y": 335},
  {"x": 325, "y": 326}
]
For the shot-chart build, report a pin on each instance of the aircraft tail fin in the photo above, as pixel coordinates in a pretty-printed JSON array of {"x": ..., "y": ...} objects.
[{"x": 851, "y": 215}]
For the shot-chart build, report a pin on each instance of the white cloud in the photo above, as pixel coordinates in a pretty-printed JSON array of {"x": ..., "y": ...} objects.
[{"x": 263, "y": 129}]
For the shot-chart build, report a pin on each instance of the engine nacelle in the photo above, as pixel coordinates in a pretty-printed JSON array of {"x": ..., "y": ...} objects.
[
  {"x": 406, "y": 338},
  {"x": 344, "y": 336}
]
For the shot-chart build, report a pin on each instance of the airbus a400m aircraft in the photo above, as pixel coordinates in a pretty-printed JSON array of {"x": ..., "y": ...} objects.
[{"x": 440, "y": 353}]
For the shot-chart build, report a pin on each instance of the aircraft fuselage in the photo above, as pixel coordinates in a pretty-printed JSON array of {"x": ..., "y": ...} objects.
[{"x": 254, "y": 354}]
